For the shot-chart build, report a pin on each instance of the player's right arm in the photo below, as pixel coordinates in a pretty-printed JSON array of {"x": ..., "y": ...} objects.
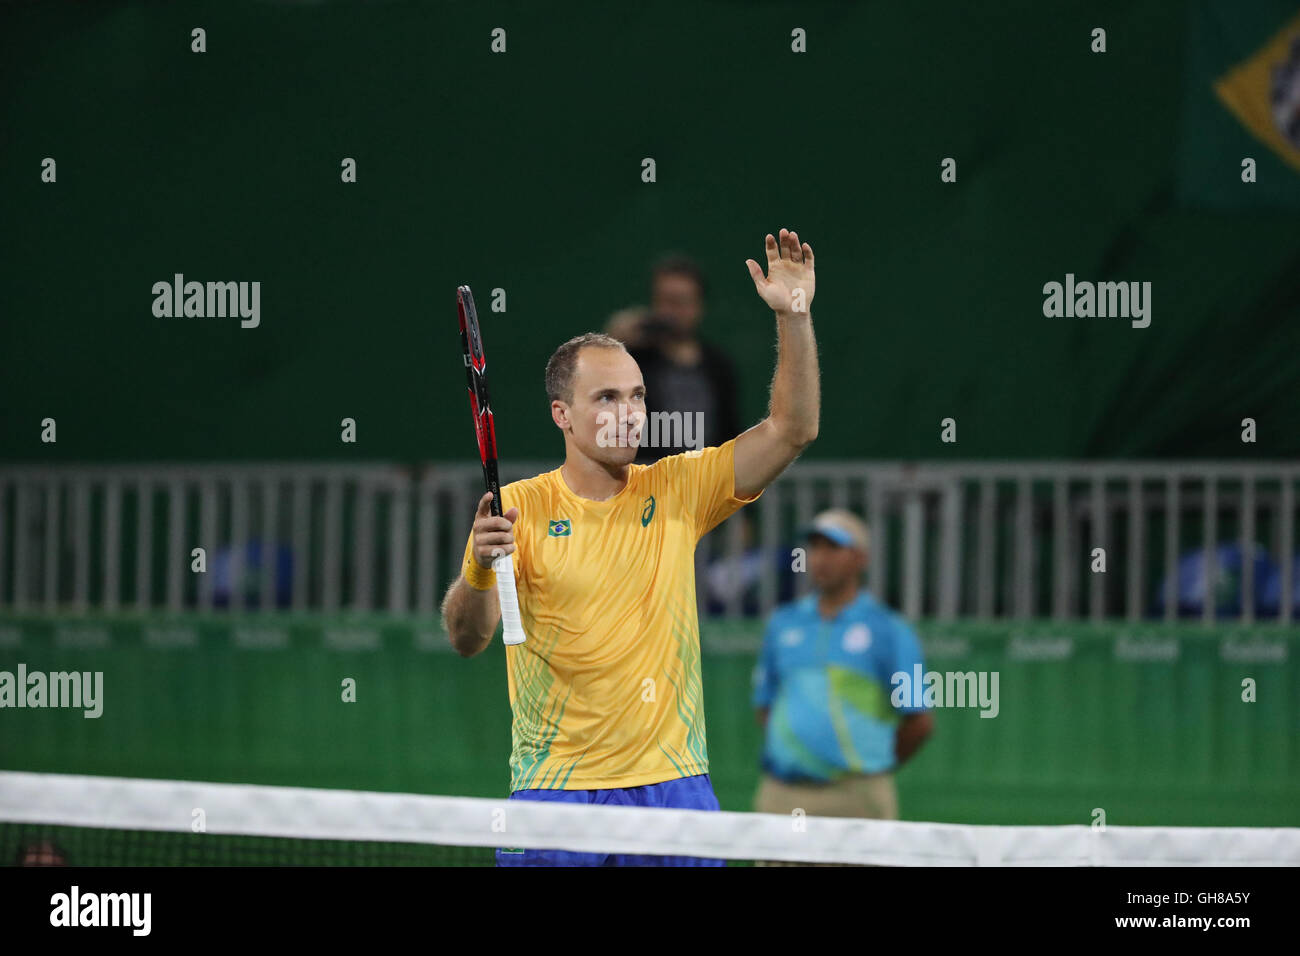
[{"x": 470, "y": 614}]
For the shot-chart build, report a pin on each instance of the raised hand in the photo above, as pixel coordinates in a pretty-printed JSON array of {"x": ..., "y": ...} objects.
[
  {"x": 493, "y": 536},
  {"x": 790, "y": 283}
]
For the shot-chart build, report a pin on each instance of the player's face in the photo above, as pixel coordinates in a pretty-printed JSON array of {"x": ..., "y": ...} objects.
[
  {"x": 607, "y": 417},
  {"x": 677, "y": 298},
  {"x": 832, "y": 567}
]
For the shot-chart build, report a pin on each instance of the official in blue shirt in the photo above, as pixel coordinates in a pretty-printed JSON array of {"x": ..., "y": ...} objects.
[{"x": 822, "y": 688}]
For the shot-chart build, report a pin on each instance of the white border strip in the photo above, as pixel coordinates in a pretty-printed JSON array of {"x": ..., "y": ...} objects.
[{"x": 168, "y": 805}]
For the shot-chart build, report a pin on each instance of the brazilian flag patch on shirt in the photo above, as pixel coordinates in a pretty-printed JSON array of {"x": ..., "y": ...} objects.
[{"x": 558, "y": 529}]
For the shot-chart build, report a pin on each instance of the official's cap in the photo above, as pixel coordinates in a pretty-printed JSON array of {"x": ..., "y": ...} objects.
[{"x": 840, "y": 526}]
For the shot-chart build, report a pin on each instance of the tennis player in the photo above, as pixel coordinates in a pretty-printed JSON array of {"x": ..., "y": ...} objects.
[{"x": 606, "y": 694}]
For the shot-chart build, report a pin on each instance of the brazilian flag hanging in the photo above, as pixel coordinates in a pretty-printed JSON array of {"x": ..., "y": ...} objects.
[{"x": 1242, "y": 100}]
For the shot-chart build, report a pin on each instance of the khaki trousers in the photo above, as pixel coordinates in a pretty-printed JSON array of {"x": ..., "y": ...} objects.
[{"x": 871, "y": 795}]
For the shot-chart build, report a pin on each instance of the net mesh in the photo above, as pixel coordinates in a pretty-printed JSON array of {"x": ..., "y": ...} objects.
[
  {"x": 27, "y": 844},
  {"x": 56, "y": 819}
]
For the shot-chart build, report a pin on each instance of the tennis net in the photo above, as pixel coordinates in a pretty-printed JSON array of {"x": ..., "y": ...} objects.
[{"x": 55, "y": 819}]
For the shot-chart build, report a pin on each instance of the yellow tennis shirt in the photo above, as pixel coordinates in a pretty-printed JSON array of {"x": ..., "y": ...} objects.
[{"x": 606, "y": 691}]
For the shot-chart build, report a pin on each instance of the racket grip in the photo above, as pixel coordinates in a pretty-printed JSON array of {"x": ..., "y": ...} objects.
[{"x": 512, "y": 625}]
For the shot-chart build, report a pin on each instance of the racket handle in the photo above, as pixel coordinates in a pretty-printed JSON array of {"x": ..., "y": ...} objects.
[{"x": 509, "y": 598}]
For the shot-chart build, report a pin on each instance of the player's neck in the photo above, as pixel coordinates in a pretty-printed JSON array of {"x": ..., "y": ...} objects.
[
  {"x": 831, "y": 603},
  {"x": 593, "y": 480}
]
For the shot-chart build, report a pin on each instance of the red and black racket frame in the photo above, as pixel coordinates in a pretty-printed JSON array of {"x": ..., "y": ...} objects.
[{"x": 471, "y": 340}]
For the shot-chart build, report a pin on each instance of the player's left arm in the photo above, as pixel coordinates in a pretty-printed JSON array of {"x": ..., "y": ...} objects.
[{"x": 767, "y": 449}]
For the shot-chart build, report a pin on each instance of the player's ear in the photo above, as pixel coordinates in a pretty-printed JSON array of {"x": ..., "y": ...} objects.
[{"x": 560, "y": 414}]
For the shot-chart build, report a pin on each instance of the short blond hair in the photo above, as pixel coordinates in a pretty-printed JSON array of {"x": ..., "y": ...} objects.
[{"x": 564, "y": 363}]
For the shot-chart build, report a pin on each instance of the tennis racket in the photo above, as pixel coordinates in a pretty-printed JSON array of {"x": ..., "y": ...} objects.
[{"x": 471, "y": 341}]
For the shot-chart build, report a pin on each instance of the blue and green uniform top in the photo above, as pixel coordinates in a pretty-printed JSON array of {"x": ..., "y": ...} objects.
[{"x": 827, "y": 685}]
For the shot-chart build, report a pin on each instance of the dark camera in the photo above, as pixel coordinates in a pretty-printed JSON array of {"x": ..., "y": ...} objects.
[{"x": 655, "y": 326}]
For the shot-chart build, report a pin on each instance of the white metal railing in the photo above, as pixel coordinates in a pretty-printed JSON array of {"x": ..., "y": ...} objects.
[
  {"x": 993, "y": 540},
  {"x": 110, "y": 538}
]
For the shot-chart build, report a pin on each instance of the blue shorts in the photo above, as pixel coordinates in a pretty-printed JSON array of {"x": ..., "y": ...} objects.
[{"x": 685, "y": 793}]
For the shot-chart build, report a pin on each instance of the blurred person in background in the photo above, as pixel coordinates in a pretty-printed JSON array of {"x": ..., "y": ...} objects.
[
  {"x": 735, "y": 581},
  {"x": 682, "y": 373},
  {"x": 41, "y": 853},
  {"x": 822, "y": 688}
]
